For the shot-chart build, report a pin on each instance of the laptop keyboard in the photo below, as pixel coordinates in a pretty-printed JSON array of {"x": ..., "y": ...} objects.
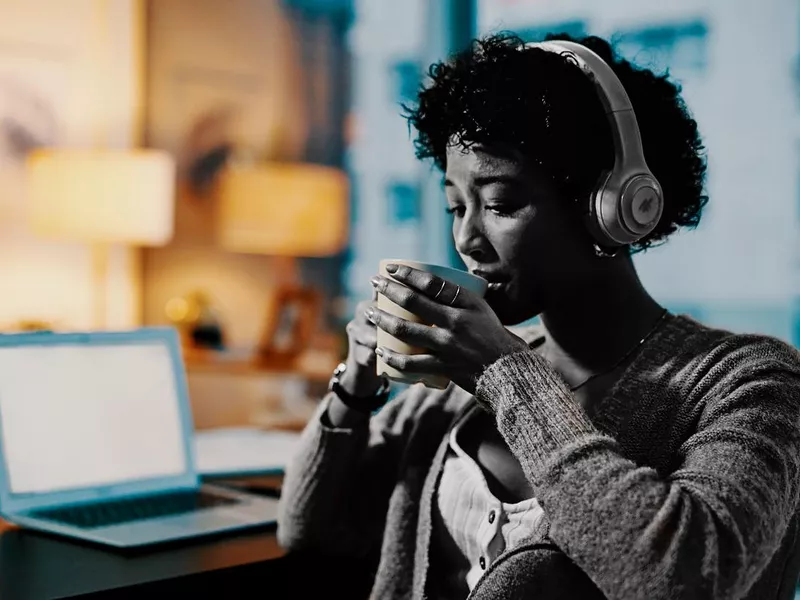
[{"x": 116, "y": 512}]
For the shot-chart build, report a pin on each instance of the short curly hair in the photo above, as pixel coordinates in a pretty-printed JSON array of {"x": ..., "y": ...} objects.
[{"x": 497, "y": 92}]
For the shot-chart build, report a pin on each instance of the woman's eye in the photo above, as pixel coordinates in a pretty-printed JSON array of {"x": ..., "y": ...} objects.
[
  {"x": 455, "y": 210},
  {"x": 500, "y": 209}
]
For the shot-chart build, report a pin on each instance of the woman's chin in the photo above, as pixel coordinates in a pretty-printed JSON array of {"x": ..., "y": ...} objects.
[{"x": 509, "y": 310}]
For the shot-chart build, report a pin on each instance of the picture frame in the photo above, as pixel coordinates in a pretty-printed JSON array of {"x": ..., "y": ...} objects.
[{"x": 289, "y": 326}]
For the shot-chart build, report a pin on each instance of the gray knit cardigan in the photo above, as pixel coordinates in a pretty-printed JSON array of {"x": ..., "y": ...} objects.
[{"x": 684, "y": 485}]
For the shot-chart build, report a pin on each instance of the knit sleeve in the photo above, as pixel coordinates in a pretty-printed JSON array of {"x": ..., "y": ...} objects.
[
  {"x": 705, "y": 530},
  {"x": 336, "y": 489},
  {"x": 550, "y": 419}
]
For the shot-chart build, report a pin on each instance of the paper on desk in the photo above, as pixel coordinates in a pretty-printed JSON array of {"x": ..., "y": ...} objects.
[{"x": 232, "y": 451}]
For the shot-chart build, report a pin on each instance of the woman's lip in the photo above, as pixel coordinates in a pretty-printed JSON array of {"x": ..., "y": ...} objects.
[{"x": 492, "y": 277}]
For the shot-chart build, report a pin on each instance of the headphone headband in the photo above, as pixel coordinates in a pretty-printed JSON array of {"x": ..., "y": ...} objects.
[
  {"x": 628, "y": 153},
  {"x": 612, "y": 94},
  {"x": 628, "y": 201}
]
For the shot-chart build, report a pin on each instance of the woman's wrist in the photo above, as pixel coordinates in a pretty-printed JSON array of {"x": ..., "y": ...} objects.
[
  {"x": 353, "y": 394},
  {"x": 341, "y": 416},
  {"x": 360, "y": 389}
]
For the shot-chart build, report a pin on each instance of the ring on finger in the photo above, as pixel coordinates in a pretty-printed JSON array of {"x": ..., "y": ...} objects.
[
  {"x": 458, "y": 291},
  {"x": 441, "y": 289}
]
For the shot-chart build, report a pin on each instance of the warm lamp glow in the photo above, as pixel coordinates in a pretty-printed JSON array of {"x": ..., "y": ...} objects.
[
  {"x": 102, "y": 196},
  {"x": 283, "y": 210}
]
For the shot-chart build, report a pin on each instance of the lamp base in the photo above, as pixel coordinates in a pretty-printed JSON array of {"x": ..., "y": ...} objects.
[{"x": 100, "y": 254}]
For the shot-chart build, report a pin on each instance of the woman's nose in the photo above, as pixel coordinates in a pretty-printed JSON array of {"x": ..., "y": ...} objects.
[{"x": 469, "y": 237}]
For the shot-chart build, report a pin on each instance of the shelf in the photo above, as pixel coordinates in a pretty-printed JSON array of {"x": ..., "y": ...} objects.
[{"x": 311, "y": 365}]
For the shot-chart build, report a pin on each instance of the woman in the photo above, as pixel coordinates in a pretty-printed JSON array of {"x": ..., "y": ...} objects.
[{"x": 616, "y": 450}]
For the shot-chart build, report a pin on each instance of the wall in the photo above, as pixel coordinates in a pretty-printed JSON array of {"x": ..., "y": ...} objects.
[
  {"x": 69, "y": 76},
  {"x": 248, "y": 74},
  {"x": 391, "y": 218}
]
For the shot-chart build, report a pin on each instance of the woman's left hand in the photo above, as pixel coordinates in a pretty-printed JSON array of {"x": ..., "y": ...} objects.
[{"x": 467, "y": 337}]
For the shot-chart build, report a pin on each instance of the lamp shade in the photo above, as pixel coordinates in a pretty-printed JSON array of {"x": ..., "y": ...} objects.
[
  {"x": 102, "y": 196},
  {"x": 283, "y": 209}
]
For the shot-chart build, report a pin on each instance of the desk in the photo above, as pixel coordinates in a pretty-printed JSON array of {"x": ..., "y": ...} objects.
[{"x": 34, "y": 566}]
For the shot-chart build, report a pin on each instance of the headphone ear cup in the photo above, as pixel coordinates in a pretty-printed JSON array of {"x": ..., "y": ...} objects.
[
  {"x": 597, "y": 206},
  {"x": 623, "y": 212},
  {"x": 641, "y": 205}
]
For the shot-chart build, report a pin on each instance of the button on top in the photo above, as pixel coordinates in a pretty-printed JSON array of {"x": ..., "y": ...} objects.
[
  {"x": 482, "y": 562},
  {"x": 491, "y": 517}
]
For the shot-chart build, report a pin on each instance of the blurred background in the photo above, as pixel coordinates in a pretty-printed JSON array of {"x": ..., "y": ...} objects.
[{"x": 238, "y": 168}]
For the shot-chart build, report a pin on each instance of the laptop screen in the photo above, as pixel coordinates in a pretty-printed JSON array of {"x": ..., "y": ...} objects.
[{"x": 78, "y": 416}]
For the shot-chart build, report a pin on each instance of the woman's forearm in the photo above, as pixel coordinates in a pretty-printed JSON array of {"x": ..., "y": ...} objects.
[{"x": 339, "y": 415}]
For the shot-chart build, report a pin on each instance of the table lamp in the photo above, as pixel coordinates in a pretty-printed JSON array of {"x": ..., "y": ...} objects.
[
  {"x": 102, "y": 197},
  {"x": 280, "y": 209},
  {"x": 285, "y": 210}
]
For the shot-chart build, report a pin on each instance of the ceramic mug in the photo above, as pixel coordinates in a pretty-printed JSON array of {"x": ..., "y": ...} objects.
[{"x": 473, "y": 283}]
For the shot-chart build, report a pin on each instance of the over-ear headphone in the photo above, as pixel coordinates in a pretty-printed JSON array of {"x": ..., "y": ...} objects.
[{"x": 628, "y": 201}]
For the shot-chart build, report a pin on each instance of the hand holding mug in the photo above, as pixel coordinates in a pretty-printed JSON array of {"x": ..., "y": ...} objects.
[
  {"x": 361, "y": 378},
  {"x": 434, "y": 325}
]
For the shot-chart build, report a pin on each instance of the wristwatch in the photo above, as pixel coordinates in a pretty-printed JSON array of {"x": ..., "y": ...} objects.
[{"x": 365, "y": 404}]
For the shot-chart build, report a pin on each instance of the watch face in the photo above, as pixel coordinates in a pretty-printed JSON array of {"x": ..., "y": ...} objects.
[{"x": 337, "y": 372}]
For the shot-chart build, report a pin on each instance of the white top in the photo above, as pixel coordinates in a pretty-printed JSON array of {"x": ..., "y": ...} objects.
[{"x": 470, "y": 526}]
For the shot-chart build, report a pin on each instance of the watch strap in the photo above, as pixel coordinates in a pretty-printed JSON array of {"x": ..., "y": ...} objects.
[{"x": 365, "y": 404}]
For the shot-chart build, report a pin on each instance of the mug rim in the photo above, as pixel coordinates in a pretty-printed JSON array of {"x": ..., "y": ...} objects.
[{"x": 424, "y": 264}]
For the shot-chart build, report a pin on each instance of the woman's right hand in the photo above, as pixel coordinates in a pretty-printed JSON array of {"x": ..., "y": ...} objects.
[{"x": 360, "y": 378}]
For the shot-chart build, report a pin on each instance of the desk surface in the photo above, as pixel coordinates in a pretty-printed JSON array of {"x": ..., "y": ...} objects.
[{"x": 34, "y": 565}]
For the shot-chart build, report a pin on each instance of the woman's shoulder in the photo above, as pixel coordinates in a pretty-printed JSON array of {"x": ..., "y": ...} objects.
[
  {"x": 683, "y": 337},
  {"x": 705, "y": 339},
  {"x": 719, "y": 353}
]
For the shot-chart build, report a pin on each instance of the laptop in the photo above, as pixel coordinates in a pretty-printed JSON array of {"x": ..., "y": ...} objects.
[{"x": 96, "y": 442}]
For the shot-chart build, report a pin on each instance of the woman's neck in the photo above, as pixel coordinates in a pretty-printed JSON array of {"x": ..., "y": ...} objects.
[{"x": 595, "y": 326}]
